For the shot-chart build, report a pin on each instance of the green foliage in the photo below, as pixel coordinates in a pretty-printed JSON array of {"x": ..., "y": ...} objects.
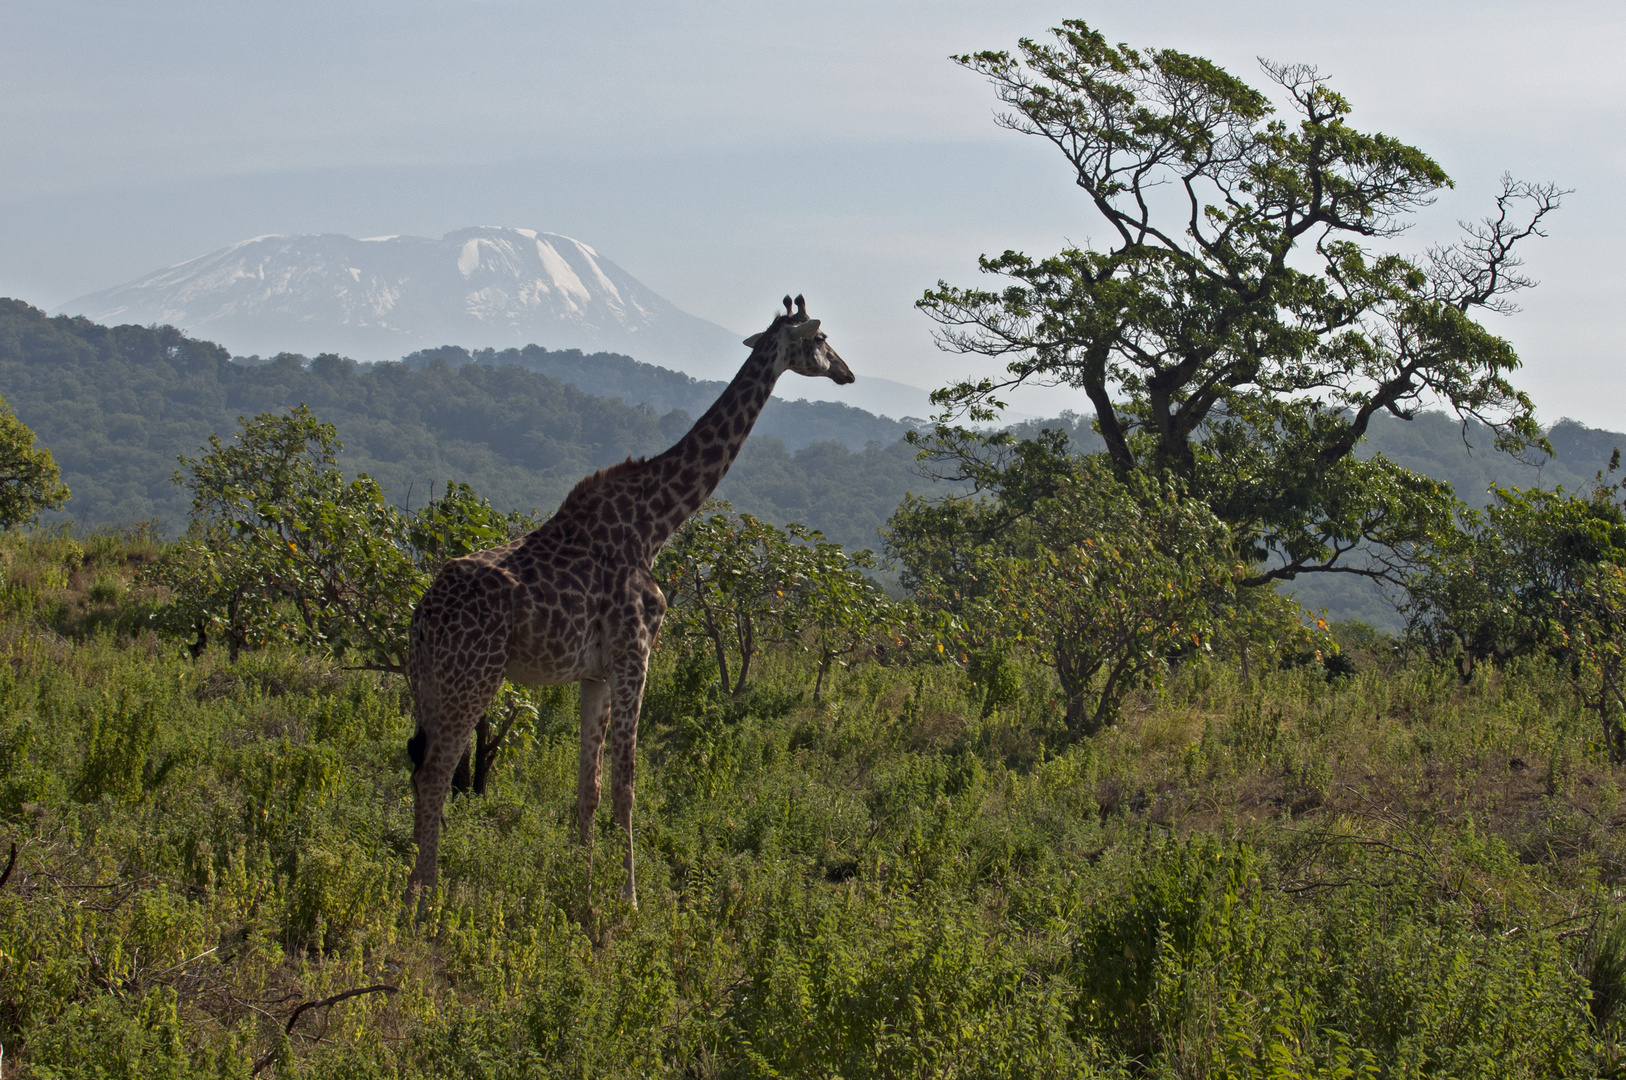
[
  {"x": 739, "y": 583},
  {"x": 836, "y": 609},
  {"x": 29, "y": 479},
  {"x": 1513, "y": 580},
  {"x": 459, "y": 523},
  {"x": 1237, "y": 329},
  {"x": 1261, "y": 627},
  {"x": 1105, "y": 580},
  {"x": 674, "y": 395},
  {"x": 284, "y": 548},
  {"x": 725, "y": 577},
  {"x": 879, "y": 984},
  {"x": 1393, "y": 874}
]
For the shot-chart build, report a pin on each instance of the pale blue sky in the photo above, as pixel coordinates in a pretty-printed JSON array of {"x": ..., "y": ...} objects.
[{"x": 728, "y": 152}]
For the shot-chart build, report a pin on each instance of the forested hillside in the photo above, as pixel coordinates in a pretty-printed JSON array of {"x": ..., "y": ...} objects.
[
  {"x": 611, "y": 375},
  {"x": 118, "y": 405}
]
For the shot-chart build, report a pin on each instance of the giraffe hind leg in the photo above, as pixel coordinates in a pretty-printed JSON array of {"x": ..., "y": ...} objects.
[{"x": 456, "y": 670}]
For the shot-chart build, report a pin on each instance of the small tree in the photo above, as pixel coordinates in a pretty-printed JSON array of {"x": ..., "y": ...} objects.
[
  {"x": 29, "y": 480},
  {"x": 459, "y": 523},
  {"x": 1263, "y": 629},
  {"x": 836, "y": 606},
  {"x": 1516, "y": 578},
  {"x": 1595, "y": 633},
  {"x": 283, "y": 547},
  {"x": 1103, "y": 580},
  {"x": 730, "y": 579}
]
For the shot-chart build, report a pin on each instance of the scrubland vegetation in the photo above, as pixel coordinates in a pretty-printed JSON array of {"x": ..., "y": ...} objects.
[{"x": 1389, "y": 873}]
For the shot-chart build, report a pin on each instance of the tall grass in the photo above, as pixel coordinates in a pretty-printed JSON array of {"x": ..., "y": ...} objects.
[{"x": 1390, "y": 874}]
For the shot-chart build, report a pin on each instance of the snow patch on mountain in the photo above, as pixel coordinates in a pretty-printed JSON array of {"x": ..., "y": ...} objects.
[{"x": 381, "y": 297}]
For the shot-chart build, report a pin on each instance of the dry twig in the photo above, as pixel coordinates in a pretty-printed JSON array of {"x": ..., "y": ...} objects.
[{"x": 377, "y": 988}]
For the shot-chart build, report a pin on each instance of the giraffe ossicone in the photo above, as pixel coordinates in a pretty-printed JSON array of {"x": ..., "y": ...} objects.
[{"x": 575, "y": 600}]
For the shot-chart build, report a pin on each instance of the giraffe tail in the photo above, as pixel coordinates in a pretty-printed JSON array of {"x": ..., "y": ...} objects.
[{"x": 415, "y": 748}]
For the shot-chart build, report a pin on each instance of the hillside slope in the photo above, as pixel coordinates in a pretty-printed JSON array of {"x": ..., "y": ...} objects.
[
  {"x": 798, "y": 422},
  {"x": 118, "y": 405}
]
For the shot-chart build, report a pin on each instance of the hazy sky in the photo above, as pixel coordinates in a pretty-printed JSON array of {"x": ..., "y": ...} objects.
[{"x": 726, "y": 153}]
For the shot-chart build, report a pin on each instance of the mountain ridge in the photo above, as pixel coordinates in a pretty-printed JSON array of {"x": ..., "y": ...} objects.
[
  {"x": 377, "y": 298},
  {"x": 380, "y": 298}
]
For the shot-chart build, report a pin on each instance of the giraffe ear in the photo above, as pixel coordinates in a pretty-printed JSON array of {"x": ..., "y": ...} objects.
[
  {"x": 751, "y": 342},
  {"x": 808, "y": 329}
]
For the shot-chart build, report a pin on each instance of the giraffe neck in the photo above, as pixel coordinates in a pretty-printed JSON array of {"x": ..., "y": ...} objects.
[{"x": 691, "y": 470}]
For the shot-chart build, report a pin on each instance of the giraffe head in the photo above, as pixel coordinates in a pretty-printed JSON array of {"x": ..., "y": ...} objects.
[{"x": 798, "y": 345}]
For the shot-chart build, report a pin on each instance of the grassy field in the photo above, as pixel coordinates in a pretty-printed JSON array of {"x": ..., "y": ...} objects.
[{"x": 1391, "y": 874}]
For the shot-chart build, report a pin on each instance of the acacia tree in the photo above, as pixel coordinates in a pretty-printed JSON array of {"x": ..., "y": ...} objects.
[
  {"x": 1102, "y": 579},
  {"x": 837, "y": 608},
  {"x": 29, "y": 480},
  {"x": 1239, "y": 328},
  {"x": 730, "y": 579}
]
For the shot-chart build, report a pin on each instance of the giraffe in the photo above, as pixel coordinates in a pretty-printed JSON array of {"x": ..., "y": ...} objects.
[{"x": 575, "y": 600}]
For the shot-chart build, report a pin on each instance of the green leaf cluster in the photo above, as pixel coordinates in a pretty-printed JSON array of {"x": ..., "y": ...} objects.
[
  {"x": 29, "y": 479},
  {"x": 1509, "y": 581},
  {"x": 739, "y": 583}
]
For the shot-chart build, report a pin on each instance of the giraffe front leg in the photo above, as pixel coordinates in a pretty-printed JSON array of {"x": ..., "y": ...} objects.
[{"x": 628, "y": 691}]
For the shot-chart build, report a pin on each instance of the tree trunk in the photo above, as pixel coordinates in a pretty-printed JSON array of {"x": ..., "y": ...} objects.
[
  {"x": 715, "y": 632},
  {"x": 1075, "y": 675},
  {"x": 1106, "y": 702},
  {"x": 196, "y": 648},
  {"x": 486, "y": 745},
  {"x": 485, "y": 748},
  {"x": 461, "y": 782},
  {"x": 748, "y": 645},
  {"x": 235, "y": 637},
  {"x": 1614, "y": 736}
]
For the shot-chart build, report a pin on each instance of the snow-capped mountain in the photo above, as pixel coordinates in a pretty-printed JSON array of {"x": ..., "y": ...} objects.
[{"x": 381, "y": 297}]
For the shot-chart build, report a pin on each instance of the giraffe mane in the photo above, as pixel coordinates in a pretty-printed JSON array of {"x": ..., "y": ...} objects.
[{"x": 589, "y": 483}]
